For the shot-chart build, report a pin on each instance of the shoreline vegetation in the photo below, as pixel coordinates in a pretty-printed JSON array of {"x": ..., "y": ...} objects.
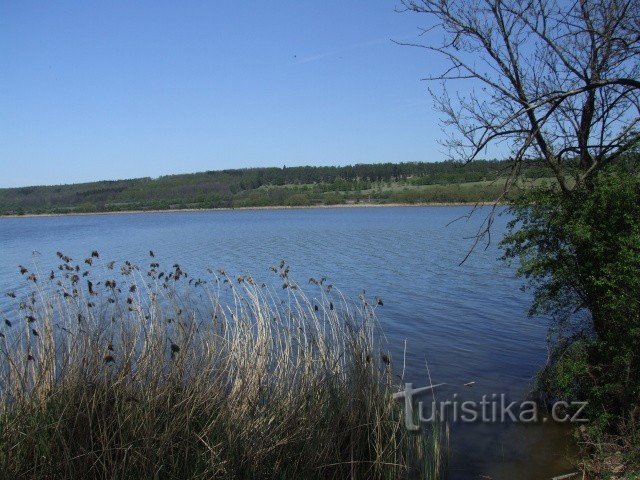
[
  {"x": 271, "y": 207},
  {"x": 441, "y": 183},
  {"x": 110, "y": 369}
]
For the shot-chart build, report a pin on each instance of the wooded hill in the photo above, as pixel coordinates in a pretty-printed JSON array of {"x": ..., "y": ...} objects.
[{"x": 253, "y": 187}]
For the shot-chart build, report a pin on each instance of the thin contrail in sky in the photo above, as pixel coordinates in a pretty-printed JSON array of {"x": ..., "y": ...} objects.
[{"x": 354, "y": 46}]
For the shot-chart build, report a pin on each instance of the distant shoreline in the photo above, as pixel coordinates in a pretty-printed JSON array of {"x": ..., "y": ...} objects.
[{"x": 274, "y": 207}]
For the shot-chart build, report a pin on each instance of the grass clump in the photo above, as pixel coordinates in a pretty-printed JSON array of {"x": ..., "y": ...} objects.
[{"x": 153, "y": 374}]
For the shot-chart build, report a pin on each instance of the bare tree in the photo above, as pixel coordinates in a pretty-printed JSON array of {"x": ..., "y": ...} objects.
[{"x": 556, "y": 81}]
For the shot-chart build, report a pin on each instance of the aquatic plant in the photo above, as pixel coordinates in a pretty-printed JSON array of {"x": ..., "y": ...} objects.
[{"x": 116, "y": 371}]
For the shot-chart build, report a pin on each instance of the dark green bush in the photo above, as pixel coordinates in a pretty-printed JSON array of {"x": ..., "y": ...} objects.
[{"x": 581, "y": 253}]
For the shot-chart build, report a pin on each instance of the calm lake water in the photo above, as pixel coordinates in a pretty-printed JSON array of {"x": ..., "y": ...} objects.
[{"x": 468, "y": 322}]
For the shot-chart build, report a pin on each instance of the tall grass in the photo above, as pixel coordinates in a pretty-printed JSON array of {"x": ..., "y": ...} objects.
[{"x": 149, "y": 373}]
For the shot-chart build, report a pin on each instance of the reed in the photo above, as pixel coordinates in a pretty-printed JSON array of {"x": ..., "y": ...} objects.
[{"x": 149, "y": 373}]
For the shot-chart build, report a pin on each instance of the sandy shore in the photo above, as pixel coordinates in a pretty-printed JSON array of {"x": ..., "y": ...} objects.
[{"x": 275, "y": 207}]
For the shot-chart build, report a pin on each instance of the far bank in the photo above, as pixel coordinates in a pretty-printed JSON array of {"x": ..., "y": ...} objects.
[{"x": 274, "y": 207}]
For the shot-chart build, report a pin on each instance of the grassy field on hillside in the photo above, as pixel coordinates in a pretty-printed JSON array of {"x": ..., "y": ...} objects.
[{"x": 444, "y": 182}]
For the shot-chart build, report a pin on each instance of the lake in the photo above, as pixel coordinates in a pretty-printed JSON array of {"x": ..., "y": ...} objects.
[{"x": 467, "y": 322}]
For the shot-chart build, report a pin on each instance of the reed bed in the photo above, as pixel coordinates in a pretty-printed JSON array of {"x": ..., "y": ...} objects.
[{"x": 117, "y": 371}]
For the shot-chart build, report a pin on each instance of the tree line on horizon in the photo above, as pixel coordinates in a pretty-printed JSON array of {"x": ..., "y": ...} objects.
[{"x": 413, "y": 182}]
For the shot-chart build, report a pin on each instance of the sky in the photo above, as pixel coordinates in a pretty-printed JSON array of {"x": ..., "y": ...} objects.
[{"x": 119, "y": 89}]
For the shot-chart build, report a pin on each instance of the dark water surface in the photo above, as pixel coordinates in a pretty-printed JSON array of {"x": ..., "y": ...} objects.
[{"x": 468, "y": 322}]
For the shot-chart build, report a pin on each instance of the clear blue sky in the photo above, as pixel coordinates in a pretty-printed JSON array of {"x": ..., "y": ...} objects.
[{"x": 110, "y": 90}]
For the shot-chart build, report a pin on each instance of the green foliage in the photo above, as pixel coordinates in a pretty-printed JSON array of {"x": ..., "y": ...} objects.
[
  {"x": 581, "y": 254},
  {"x": 333, "y": 198},
  {"x": 297, "y": 200},
  {"x": 427, "y": 182}
]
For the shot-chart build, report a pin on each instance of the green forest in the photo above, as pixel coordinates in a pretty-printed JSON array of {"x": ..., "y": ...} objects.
[{"x": 418, "y": 182}]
